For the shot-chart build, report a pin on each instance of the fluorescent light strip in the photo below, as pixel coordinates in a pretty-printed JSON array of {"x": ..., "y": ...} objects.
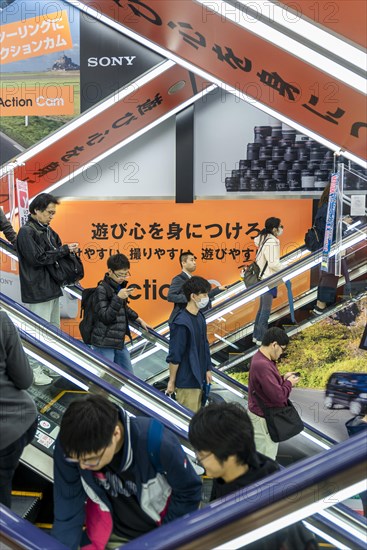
[
  {"x": 225, "y": 295},
  {"x": 354, "y": 532},
  {"x": 210, "y": 78},
  {"x": 163, "y": 413},
  {"x": 314, "y": 439},
  {"x": 226, "y": 341},
  {"x": 220, "y": 382},
  {"x": 307, "y": 30},
  {"x": 79, "y": 121},
  {"x": 302, "y": 269},
  {"x": 240, "y": 303},
  {"x": 288, "y": 44},
  {"x": 326, "y": 536},
  {"x": 293, "y": 517},
  {"x": 52, "y": 367}
]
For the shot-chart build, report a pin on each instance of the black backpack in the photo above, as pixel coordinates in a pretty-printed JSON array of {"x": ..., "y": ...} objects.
[
  {"x": 312, "y": 240},
  {"x": 87, "y": 312}
]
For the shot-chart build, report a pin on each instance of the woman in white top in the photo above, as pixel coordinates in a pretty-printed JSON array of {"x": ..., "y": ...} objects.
[{"x": 268, "y": 257}]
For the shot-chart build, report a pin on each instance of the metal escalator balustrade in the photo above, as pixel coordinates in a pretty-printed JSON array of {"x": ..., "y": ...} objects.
[
  {"x": 92, "y": 383},
  {"x": 271, "y": 504}
]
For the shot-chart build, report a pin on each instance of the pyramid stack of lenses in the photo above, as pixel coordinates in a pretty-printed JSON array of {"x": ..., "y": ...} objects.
[{"x": 280, "y": 160}]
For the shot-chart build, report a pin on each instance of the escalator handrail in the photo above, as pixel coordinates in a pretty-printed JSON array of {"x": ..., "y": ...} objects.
[
  {"x": 23, "y": 533},
  {"x": 108, "y": 388},
  {"x": 274, "y": 489},
  {"x": 271, "y": 281}
]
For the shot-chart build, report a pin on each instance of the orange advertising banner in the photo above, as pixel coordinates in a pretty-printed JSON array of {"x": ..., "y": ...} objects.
[
  {"x": 204, "y": 36},
  {"x": 141, "y": 106},
  {"x": 153, "y": 234},
  {"x": 44, "y": 34},
  {"x": 41, "y": 100},
  {"x": 345, "y": 17}
]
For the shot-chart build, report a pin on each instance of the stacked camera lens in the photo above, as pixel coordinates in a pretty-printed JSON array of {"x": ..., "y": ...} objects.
[{"x": 280, "y": 159}]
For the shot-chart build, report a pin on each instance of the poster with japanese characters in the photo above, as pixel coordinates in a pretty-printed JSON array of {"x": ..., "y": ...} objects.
[
  {"x": 219, "y": 233},
  {"x": 39, "y": 62}
]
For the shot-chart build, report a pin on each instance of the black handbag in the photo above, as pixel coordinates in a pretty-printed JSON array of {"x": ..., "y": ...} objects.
[
  {"x": 312, "y": 240},
  {"x": 282, "y": 422},
  {"x": 252, "y": 275},
  {"x": 67, "y": 270}
]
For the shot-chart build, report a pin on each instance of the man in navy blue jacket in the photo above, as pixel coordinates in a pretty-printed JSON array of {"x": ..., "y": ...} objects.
[
  {"x": 189, "y": 356},
  {"x": 108, "y": 475}
]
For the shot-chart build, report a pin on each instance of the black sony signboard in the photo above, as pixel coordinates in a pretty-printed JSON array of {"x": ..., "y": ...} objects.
[{"x": 108, "y": 61}]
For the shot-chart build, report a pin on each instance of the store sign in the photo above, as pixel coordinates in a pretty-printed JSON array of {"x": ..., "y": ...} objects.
[
  {"x": 108, "y": 61},
  {"x": 272, "y": 76},
  {"x": 28, "y": 100},
  {"x": 41, "y": 35}
]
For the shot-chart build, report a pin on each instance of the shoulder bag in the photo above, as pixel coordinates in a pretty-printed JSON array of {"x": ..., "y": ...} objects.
[
  {"x": 252, "y": 274},
  {"x": 282, "y": 422}
]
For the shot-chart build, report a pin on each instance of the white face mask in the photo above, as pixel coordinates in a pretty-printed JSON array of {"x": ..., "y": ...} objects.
[
  {"x": 279, "y": 231},
  {"x": 203, "y": 302}
]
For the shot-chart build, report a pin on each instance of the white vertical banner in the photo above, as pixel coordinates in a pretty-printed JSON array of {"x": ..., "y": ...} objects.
[{"x": 23, "y": 201}]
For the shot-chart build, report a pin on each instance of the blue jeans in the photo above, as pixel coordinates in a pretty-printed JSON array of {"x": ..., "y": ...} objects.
[
  {"x": 262, "y": 316},
  {"x": 119, "y": 356},
  {"x": 9, "y": 459}
]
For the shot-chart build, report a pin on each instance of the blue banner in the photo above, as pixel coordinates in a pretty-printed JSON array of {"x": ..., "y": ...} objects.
[{"x": 330, "y": 218}]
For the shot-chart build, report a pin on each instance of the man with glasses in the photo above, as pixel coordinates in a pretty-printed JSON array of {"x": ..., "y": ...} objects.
[
  {"x": 266, "y": 382},
  {"x": 109, "y": 476},
  {"x": 38, "y": 247},
  {"x": 112, "y": 313}
]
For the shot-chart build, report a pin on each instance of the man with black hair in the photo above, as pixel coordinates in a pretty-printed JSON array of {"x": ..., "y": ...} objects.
[
  {"x": 108, "y": 475},
  {"x": 38, "y": 247},
  {"x": 175, "y": 291},
  {"x": 189, "y": 356},
  {"x": 266, "y": 382},
  {"x": 112, "y": 313},
  {"x": 223, "y": 438}
]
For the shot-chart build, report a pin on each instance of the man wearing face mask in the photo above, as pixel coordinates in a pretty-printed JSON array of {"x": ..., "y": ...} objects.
[
  {"x": 189, "y": 356},
  {"x": 268, "y": 260}
]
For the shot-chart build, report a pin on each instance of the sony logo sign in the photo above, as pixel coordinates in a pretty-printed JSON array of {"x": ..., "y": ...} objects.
[{"x": 111, "y": 61}]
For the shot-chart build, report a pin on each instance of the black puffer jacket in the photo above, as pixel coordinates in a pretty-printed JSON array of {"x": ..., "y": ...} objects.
[
  {"x": 38, "y": 246},
  {"x": 112, "y": 316}
]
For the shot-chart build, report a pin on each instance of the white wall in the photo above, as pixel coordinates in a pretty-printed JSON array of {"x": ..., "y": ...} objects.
[{"x": 144, "y": 168}]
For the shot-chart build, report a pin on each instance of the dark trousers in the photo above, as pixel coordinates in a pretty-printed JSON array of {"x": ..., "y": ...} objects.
[{"x": 9, "y": 459}]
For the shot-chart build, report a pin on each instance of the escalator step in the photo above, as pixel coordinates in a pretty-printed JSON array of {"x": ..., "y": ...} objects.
[{"x": 26, "y": 504}]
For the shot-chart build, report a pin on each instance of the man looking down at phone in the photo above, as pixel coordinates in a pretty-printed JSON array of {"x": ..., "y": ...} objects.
[
  {"x": 266, "y": 382},
  {"x": 112, "y": 313}
]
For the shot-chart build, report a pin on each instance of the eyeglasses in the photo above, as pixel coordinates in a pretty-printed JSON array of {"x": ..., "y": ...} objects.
[
  {"x": 51, "y": 212},
  {"x": 92, "y": 462},
  {"x": 200, "y": 460},
  {"x": 283, "y": 348},
  {"x": 121, "y": 275}
]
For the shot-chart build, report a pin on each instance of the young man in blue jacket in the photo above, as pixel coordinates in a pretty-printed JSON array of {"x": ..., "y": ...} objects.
[
  {"x": 108, "y": 476},
  {"x": 189, "y": 356}
]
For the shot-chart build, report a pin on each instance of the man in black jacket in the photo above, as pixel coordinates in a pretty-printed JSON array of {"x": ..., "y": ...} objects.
[
  {"x": 175, "y": 293},
  {"x": 112, "y": 313},
  {"x": 39, "y": 247}
]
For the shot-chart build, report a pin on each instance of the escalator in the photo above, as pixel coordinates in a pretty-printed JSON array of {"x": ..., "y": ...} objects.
[{"x": 76, "y": 378}]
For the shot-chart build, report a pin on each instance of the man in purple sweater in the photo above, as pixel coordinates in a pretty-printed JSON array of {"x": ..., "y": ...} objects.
[{"x": 272, "y": 388}]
